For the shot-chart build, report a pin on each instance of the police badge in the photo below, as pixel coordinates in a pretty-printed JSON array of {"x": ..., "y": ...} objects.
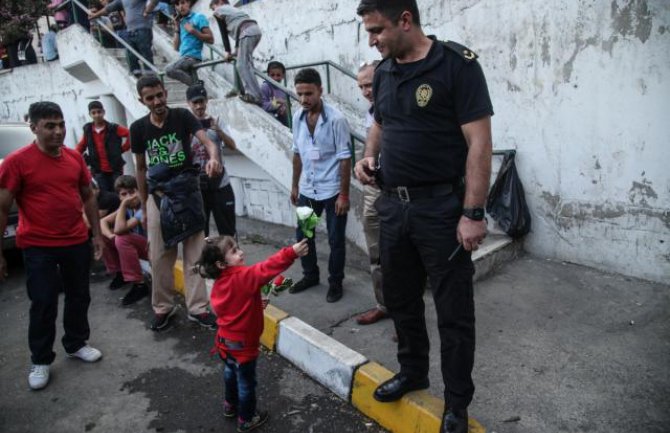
[{"x": 423, "y": 94}]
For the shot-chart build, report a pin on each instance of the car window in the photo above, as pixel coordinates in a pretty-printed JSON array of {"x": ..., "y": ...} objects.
[{"x": 12, "y": 138}]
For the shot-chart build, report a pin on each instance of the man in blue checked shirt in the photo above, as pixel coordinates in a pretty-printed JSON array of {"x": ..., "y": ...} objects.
[
  {"x": 321, "y": 177},
  {"x": 193, "y": 31}
]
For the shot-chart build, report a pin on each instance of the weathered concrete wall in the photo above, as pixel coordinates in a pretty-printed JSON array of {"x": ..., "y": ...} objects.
[
  {"x": 579, "y": 89},
  {"x": 46, "y": 82}
]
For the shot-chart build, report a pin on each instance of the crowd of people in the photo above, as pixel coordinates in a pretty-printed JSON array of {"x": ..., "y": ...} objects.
[{"x": 422, "y": 204}]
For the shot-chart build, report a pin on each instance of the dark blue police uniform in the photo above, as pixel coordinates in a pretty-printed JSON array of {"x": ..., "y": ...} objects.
[{"x": 421, "y": 107}]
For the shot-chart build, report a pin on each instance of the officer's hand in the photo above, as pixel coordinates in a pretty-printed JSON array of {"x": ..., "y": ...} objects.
[
  {"x": 365, "y": 170},
  {"x": 341, "y": 205},
  {"x": 213, "y": 168},
  {"x": 294, "y": 196},
  {"x": 3, "y": 267},
  {"x": 470, "y": 233}
]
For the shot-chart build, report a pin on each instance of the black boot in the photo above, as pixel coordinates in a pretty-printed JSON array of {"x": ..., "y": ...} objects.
[
  {"x": 399, "y": 385},
  {"x": 455, "y": 421}
]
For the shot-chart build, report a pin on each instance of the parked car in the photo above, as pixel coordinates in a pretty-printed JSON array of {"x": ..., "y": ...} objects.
[{"x": 12, "y": 136}]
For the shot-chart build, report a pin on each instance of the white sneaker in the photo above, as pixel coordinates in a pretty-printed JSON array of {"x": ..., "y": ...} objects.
[
  {"x": 39, "y": 376},
  {"x": 86, "y": 354}
]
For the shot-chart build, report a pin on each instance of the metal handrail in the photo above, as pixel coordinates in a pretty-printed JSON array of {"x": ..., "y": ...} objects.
[
  {"x": 76, "y": 3},
  {"x": 327, "y": 64},
  {"x": 291, "y": 95}
]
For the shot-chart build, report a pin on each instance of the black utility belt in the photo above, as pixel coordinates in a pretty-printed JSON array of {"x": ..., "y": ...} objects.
[{"x": 411, "y": 193}]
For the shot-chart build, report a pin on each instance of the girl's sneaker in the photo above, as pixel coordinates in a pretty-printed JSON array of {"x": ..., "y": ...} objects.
[
  {"x": 229, "y": 411},
  {"x": 257, "y": 421}
]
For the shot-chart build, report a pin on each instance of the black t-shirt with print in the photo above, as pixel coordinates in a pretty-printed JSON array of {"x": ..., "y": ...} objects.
[{"x": 171, "y": 144}]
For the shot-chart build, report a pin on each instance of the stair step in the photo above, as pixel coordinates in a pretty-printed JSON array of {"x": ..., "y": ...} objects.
[{"x": 496, "y": 250}]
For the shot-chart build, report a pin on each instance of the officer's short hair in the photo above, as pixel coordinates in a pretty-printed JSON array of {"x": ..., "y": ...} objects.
[
  {"x": 95, "y": 105},
  {"x": 307, "y": 76},
  {"x": 44, "y": 110},
  {"x": 391, "y": 9},
  {"x": 148, "y": 81}
]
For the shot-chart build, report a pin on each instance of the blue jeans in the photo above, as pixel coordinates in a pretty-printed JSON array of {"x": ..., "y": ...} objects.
[
  {"x": 336, "y": 225},
  {"x": 140, "y": 40},
  {"x": 48, "y": 270},
  {"x": 240, "y": 386}
]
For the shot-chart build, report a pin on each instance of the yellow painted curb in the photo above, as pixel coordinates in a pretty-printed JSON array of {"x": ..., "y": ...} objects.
[
  {"x": 179, "y": 277},
  {"x": 272, "y": 317},
  {"x": 416, "y": 412}
]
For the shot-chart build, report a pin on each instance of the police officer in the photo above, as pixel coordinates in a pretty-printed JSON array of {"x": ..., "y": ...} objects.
[{"x": 433, "y": 123}]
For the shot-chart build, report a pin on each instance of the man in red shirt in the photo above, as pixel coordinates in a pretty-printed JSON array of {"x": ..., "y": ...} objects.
[
  {"x": 51, "y": 185},
  {"x": 105, "y": 144}
]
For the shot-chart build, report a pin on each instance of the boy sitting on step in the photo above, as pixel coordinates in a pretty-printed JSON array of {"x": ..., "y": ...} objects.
[{"x": 126, "y": 241}]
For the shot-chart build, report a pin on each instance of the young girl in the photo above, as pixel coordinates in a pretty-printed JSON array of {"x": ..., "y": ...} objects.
[{"x": 236, "y": 301}]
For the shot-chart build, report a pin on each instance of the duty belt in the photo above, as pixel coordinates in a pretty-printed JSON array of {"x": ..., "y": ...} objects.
[{"x": 411, "y": 193}]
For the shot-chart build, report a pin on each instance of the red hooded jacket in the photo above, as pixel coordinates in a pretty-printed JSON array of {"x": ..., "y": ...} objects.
[{"x": 236, "y": 301}]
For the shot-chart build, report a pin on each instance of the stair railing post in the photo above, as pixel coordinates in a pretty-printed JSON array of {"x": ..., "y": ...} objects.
[
  {"x": 328, "y": 77},
  {"x": 74, "y": 12},
  {"x": 352, "y": 148},
  {"x": 288, "y": 112}
]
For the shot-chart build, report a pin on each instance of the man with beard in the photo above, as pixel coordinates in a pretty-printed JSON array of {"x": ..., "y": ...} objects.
[
  {"x": 161, "y": 142},
  {"x": 321, "y": 177},
  {"x": 433, "y": 127}
]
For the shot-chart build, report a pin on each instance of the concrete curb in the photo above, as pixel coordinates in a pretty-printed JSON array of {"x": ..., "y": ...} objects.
[
  {"x": 325, "y": 359},
  {"x": 345, "y": 372}
]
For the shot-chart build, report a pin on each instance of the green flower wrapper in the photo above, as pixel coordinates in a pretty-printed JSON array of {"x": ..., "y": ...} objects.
[
  {"x": 307, "y": 220},
  {"x": 276, "y": 286}
]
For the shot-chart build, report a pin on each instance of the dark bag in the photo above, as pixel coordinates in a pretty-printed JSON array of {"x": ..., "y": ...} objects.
[{"x": 507, "y": 202}]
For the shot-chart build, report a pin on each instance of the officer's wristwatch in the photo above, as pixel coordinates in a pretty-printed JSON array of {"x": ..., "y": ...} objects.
[{"x": 474, "y": 213}]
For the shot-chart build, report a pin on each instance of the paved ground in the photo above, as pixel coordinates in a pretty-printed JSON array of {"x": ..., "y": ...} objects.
[
  {"x": 561, "y": 348},
  {"x": 146, "y": 381}
]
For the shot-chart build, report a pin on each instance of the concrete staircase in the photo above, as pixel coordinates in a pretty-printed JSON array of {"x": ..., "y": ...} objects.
[{"x": 260, "y": 138}]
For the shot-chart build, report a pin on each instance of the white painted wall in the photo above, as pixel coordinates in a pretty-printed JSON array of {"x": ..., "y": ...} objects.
[{"x": 580, "y": 89}]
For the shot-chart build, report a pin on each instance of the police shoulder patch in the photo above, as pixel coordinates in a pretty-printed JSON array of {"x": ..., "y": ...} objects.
[{"x": 467, "y": 54}]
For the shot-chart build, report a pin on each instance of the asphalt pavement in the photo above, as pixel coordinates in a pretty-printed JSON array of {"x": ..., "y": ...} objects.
[
  {"x": 146, "y": 381},
  {"x": 560, "y": 348}
]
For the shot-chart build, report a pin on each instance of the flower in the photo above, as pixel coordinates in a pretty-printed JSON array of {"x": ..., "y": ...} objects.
[
  {"x": 307, "y": 220},
  {"x": 276, "y": 286}
]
